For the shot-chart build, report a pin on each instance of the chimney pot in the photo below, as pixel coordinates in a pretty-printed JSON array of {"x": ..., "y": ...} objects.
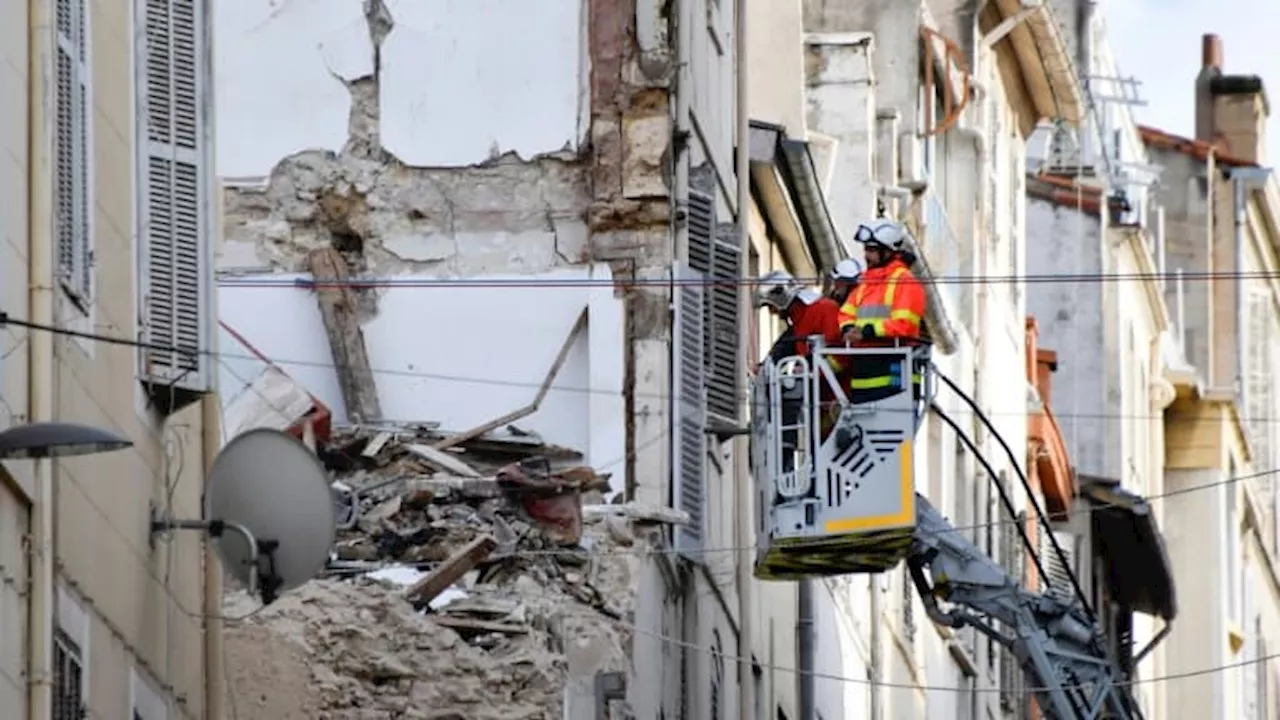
[{"x": 1211, "y": 51}]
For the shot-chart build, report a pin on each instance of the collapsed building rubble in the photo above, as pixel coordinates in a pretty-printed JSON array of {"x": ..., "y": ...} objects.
[{"x": 464, "y": 585}]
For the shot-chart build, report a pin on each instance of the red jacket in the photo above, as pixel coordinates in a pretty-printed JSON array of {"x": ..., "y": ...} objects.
[{"x": 820, "y": 317}]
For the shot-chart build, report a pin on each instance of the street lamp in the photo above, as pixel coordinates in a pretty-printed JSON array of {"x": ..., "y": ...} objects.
[{"x": 57, "y": 439}]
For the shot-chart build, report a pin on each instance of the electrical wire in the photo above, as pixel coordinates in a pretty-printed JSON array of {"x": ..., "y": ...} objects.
[
  {"x": 123, "y": 341},
  {"x": 661, "y": 437},
  {"x": 243, "y": 281},
  {"x": 1016, "y": 464},
  {"x": 239, "y": 619},
  {"x": 464, "y": 379}
]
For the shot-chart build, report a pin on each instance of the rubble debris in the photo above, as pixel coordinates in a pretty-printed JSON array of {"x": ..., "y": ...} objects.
[
  {"x": 475, "y": 588},
  {"x": 553, "y": 500}
]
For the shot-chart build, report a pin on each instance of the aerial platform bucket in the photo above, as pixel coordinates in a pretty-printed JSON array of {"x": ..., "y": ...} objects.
[{"x": 834, "y": 472}]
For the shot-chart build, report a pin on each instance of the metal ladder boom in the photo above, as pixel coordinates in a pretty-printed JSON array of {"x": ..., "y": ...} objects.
[{"x": 1054, "y": 641}]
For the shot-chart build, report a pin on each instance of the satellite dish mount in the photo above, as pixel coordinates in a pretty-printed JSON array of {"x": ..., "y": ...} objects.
[
  {"x": 268, "y": 509},
  {"x": 259, "y": 561}
]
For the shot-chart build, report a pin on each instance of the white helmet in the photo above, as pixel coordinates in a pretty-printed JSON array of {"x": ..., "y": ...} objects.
[
  {"x": 777, "y": 289},
  {"x": 885, "y": 232},
  {"x": 848, "y": 269}
]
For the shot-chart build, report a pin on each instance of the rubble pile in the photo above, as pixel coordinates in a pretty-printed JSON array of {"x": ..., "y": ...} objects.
[{"x": 464, "y": 585}]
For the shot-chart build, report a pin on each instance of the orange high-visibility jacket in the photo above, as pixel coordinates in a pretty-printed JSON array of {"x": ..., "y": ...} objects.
[{"x": 890, "y": 299}]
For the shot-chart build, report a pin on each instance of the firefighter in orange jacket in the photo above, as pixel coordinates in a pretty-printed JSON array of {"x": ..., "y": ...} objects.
[{"x": 886, "y": 308}]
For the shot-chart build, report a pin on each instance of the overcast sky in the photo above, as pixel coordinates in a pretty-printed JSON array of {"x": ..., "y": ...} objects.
[{"x": 1158, "y": 43}]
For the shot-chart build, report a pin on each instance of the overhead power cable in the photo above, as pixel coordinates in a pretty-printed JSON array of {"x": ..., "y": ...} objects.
[
  {"x": 268, "y": 281},
  {"x": 6, "y": 319}
]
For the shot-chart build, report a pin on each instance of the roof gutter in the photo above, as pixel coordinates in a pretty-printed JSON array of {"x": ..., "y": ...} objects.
[
  {"x": 811, "y": 203},
  {"x": 772, "y": 193}
]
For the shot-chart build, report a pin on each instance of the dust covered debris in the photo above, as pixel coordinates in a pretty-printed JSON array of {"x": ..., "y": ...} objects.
[{"x": 542, "y": 589}]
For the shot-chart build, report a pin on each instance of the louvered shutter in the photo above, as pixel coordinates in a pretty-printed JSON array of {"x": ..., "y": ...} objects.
[
  {"x": 72, "y": 154},
  {"x": 688, "y": 356},
  {"x": 1058, "y": 583},
  {"x": 177, "y": 295},
  {"x": 725, "y": 320},
  {"x": 714, "y": 251}
]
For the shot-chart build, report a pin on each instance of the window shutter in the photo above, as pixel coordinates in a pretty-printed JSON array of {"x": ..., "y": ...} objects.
[
  {"x": 72, "y": 174},
  {"x": 1058, "y": 582},
  {"x": 689, "y": 469},
  {"x": 714, "y": 251},
  {"x": 175, "y": 218},
  {"x": 725, "y": 326}
]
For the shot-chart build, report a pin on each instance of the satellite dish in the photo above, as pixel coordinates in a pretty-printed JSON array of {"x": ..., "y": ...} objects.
[{"x": 269, "y": 484}]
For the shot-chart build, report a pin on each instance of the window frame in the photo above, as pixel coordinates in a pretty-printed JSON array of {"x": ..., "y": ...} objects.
[
  {"x": 70, "y": 645},
  {"x": 180, "y": 275}
]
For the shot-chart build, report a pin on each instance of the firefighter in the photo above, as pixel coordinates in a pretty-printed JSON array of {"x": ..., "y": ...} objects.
[
  {"x": 885, "y": 309},
  {"x": 806, "y": 312},
  {"x": 844, "y": 278}
]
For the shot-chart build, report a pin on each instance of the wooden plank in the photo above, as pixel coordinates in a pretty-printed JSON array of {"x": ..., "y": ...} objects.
[
  {"x": 339, "y": 308},
  {"x": 450, "y": 571},
  {"x": 442, "y": 460}
]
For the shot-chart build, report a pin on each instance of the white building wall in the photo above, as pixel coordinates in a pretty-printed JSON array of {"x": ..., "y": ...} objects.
[
  {"x": 1195, "y": 530},
  {"x": 289, "y": 78},
  {"x": 434, "y": 366}
]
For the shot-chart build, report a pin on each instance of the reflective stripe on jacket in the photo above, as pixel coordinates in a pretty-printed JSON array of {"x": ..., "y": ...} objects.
[{"x": 890, "y": 299}]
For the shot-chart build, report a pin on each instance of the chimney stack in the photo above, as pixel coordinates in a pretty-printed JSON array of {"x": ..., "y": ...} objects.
[
  {"x": 1211, "y": 51},
  {"x": 1210, "y": 68}
]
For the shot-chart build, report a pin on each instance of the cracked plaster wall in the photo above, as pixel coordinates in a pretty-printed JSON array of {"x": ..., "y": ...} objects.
[{"x": 470, "y": 165}]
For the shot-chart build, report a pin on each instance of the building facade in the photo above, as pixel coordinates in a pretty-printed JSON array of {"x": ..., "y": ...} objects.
[
  {"x": 591, "y": 172},
  {"x": 106, "y": 232},
  {"x": 1220, "y": 254},
  {"x": 1093, "y": 215}
]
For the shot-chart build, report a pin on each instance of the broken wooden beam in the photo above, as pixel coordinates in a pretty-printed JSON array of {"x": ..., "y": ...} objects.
[
  {"x": 339, "y": 308},
  {"x": 421, "y": 593}
]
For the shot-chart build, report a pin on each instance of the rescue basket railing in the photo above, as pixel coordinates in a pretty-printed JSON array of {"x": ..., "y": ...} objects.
[{"x": 833, "y": 459}]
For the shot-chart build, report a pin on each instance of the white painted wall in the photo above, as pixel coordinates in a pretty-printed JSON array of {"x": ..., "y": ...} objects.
[
  {"x": 280, "y": 70},
  {"x": 457, "y": 355},
  {"x": 461, "y": 81},
  {"x": 1196, "y": 537},
  {"x": 466, "y": 80}
]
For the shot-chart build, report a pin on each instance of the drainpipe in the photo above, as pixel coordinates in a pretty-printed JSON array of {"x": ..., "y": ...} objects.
[
  {"x": 1084, "y": 57},
  {"x": 805, "y": 647},
  {"x": 214, "y": 679},
  {"x": 682, "y": 132},
  {"x": 1238, "y": 193},
  {"x": 40, "y": 350},
  {"x": 743, "y": 485},
  {"x": 875, "y": 671}
]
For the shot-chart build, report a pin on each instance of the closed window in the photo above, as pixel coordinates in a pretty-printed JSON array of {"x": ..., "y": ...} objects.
[{"x": 68, "y": 678}]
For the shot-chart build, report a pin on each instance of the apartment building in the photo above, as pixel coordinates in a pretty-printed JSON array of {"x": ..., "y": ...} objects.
[
  {"x": 946, "y": 147},
  {"x": 1220, "y": 254},
  {"x": 1092, "y": 214},
  {"x": 107, "y": 178}
]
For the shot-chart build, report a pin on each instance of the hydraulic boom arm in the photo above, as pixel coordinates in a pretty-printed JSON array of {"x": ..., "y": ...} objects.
[{"x": 1058, "y": 647}]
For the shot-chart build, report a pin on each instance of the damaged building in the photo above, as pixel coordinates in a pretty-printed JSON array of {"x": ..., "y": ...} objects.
[
  {"x": 465, "y": 226},
  {"x": 462, "y": 215}
]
